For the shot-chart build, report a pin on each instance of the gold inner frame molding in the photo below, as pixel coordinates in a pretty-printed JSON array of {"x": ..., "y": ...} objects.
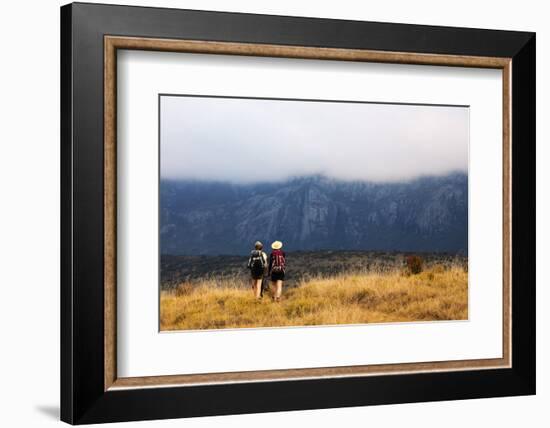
[{"x": 113, "y": 43}]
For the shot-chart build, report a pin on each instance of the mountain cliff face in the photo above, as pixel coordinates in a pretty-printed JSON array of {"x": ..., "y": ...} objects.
[{"x": 313, "y": 213}]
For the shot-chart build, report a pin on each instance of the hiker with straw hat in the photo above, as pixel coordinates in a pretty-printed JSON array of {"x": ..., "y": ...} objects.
[
  {"x": 257, "y": 263},
  {"x": 277, "y": 269}
]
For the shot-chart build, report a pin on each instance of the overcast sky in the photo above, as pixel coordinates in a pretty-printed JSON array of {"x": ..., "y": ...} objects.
[{"x": 244, "y": 140}]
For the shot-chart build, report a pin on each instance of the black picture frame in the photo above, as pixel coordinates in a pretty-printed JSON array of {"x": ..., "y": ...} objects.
[{"x": 83, "y": 398}]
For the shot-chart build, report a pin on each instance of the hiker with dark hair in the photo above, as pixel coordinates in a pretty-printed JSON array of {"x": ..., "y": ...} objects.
[
  {"x": 277, "y": 267},
  {"x": 257, "y": 263}
]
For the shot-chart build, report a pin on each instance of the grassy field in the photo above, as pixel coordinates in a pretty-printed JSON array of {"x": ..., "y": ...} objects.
[{"x": 438, "y": 293}]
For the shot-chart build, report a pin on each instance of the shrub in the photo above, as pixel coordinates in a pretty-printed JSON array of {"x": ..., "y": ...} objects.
[
  {"x": 414, "y": 264},
  {"x": 183, "y": 289},
  {"x": 438, "y": 269}
]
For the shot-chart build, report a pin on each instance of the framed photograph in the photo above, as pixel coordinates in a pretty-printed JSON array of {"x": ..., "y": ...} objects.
[{"x": 265, "y": 213}]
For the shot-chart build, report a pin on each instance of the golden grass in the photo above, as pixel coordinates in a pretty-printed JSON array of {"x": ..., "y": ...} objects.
[{"x": 435, "y": 294}]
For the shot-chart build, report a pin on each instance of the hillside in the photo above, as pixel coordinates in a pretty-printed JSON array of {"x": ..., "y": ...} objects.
[
  {"x": 428, "y": 214},
  {"x": 300, "y": 265}
]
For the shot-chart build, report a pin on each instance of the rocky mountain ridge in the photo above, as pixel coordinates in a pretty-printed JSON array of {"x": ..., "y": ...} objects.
[{"x": 315, "y": 213}]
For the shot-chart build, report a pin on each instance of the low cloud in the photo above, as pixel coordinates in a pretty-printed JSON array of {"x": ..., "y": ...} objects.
[{"x": 244, "y": 140}]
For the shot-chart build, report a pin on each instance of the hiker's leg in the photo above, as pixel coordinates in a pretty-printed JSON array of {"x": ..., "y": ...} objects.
[
  {"x": 272, "y": 288},
  {"x": 258, "y": 288},
  {"x": 262, "y": 287},
  {"x": 279, "y": 290}
]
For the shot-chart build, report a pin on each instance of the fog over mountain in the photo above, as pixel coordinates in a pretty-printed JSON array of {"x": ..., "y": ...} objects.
[
  {"x": 241, "y": 140},
  {"x": 317, "y": 175},
  {"x": 313, "y": 213}
]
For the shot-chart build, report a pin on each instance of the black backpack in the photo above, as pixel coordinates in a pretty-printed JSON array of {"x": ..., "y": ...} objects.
[{"x": 257, "y": 263}]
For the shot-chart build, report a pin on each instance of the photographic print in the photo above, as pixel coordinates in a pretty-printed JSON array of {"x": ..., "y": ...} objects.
[{"x": 290, "y": 212}]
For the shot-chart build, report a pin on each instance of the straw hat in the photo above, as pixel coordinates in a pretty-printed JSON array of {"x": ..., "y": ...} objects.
[{"x": 277, "y": 245}]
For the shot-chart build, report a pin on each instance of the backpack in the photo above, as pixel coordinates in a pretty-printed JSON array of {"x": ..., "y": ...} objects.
[
  {"x": 257, "y": 263},
  {"x": 278, "y": 263}
]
